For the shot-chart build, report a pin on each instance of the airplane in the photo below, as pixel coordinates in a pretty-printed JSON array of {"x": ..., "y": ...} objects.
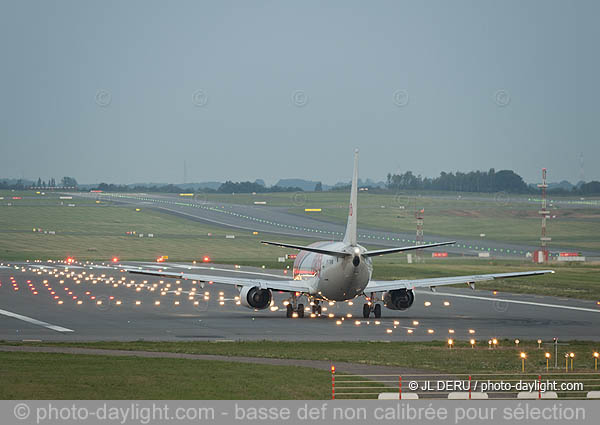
[{"x": 337, "y": 271}]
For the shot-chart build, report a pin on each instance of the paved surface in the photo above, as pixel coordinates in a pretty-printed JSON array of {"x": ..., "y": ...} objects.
[
  {"x": 278, "y": 220},
  {"x": 37, "y": 302}
]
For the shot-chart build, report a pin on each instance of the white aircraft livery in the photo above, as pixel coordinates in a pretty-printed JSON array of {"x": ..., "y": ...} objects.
[{"x": 337, "y": 271}]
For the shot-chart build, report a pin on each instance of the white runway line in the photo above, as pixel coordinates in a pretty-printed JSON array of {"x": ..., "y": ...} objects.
[
  {"x": 35, "y": 321},
  {"x": 566, "y": 307}
]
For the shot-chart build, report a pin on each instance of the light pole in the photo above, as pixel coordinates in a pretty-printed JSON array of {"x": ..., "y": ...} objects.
[
  {"x": 523, "y": 357},
  {"x": 572, "y": 356},
  {"x": 547, "y": 355},
  {"x": 596, "y": 355},
  {"x": 472, "y": 342}
]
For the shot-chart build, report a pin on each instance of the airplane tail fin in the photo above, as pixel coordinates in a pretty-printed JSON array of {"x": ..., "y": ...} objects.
[{"x": 350, "y": 235}]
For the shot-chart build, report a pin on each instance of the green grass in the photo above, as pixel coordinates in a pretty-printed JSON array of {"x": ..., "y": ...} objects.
[
  {"x": 433, "y": 356},
  {"x": 65, "y": 377},
  {"x": 98, "y": 232},
  {"x": 505, "y": 219},
  {"x": 508, "y": 219}
]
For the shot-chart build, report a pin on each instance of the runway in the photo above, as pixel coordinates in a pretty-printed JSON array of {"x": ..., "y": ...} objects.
[
  {"x": 278, "y": 220},
  {"x": 87, "y": 302}
]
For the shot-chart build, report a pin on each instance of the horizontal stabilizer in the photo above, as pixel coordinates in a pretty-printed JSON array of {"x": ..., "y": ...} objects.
[
  {"x": 308, "y": 248},
  {"x": 404, "y": 248}
]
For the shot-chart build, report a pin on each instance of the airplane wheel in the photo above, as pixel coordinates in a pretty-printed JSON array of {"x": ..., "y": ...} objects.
[
  {"x": 301, "y": 310},
  {"x": 366, "y": 311},
  {"x": 319, "y": 310},
  {"x": 289, "y": 311},
  {"x": 314, "y": 309},
  {"x": 377, "y": 311}
]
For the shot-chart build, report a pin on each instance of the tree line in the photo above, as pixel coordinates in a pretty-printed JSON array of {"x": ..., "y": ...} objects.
[
  {"x": 491, "y": 181},
  {"x": 475, "y": 181},
  {"x": 22, "y": 184},
  {"x": 227, "y": 187}
]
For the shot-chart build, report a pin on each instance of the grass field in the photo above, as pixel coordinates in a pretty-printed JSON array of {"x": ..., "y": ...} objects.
[
  {"x": 98, "y": 232},
  {"x": 500, "y": 217},
  {"x": 92, "y": 231},
  {"x": 433, "y": 356},
  {"x": 63, "y": 376}
]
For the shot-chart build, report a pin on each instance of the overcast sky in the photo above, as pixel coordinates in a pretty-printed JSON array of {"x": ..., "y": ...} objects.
[{"x": 125, "y": 91}]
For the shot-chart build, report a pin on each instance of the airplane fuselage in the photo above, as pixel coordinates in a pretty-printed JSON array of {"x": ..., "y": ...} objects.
[{"x": 330, "y": 277}]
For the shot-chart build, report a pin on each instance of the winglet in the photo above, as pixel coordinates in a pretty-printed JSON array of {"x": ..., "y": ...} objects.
[{"x": 350, "y": 235}]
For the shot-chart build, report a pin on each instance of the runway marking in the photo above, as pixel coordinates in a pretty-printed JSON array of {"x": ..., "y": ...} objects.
[
  {"x": 566, "y": 307},
  {"x": 35, "y": 321},
  {"x": 34, "y": 266}
]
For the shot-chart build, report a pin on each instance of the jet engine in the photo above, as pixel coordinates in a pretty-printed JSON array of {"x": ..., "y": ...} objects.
[
  {"x": 398, "y": 299},
  {"x": 254, "y": 297}
]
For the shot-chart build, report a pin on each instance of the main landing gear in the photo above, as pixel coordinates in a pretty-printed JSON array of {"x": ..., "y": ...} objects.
[
  {"x": 372, "y": 307},
  {"x": 294, "y": 307},
  {"x": 316, "y": 308}
]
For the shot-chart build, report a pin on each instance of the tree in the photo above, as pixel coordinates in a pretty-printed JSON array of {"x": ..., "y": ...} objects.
[
  {"x": 319, "y": 187},
  {"x": 473, "y": 181},
  {"x": 68, "y": 182},
  {"x": 592, "y": 187},
  {"x": 241, "y": 187}
]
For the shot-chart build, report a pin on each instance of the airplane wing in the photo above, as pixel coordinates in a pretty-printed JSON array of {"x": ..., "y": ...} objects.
[
  {"x": 380, "y": 286},
  {"x": 287, "y": 285}
]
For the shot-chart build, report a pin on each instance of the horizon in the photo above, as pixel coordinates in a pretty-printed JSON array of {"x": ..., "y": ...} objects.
[{"x": 267, "y": 184}]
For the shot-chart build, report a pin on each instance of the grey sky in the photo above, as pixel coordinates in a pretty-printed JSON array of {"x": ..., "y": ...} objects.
[{"x": 109, "y": 91}]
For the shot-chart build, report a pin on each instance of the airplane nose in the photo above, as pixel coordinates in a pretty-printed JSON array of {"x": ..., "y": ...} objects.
[{"x": 356, "y": 261}]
